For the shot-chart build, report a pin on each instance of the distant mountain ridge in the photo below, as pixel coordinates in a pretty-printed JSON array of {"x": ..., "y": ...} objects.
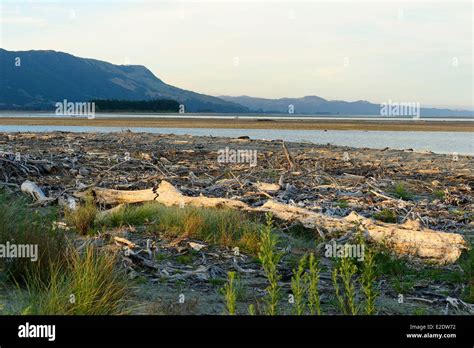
[
  {"x": 313, "y": 105},
  {"x": 43, "y": 78},
  {"x": 46, "y": 77}
]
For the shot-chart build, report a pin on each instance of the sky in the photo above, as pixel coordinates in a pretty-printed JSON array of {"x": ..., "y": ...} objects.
[{"x": 380, "y": 51}]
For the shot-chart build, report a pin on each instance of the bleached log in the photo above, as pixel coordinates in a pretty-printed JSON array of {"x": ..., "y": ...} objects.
[
  {"x": 165, "y": 194},
  {"x": 34, "y": 191},
  {"x": 267, "y": 187},
  {"x": 408, "y": 239}
]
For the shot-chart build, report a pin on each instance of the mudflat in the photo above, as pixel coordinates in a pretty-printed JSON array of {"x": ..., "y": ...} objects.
[{"x": 240, "y": 123}]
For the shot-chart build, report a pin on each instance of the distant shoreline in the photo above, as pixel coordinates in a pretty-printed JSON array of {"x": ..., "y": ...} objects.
[{"x": 242, "y": 123}]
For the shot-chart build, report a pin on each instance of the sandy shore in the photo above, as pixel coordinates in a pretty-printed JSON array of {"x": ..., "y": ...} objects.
[{"x": 189, "y": 122}]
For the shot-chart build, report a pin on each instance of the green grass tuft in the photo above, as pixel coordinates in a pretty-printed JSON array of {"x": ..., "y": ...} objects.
[
  {"x": 82, "y": 219},
  {"x": 20, "y": 224},
  {"x": 400, "y": 191},
  {"x": 88, "y": 285},
  {"x": 386, "y": 215},
  {"x": 218, "y": 226}
]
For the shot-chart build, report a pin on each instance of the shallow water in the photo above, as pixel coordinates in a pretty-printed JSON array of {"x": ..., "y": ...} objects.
[{"x": 438, "y": 142}]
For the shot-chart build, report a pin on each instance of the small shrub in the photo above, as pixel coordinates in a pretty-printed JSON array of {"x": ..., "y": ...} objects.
[
  {"x": 345, "y": 270},
  {"x": 368, "y": 280},
  {"x": 298, "y": 287},
  {"x": 229, "y": 293},
  {"x": 270, "y": 259},
  {"x": 312, "y": 281}
]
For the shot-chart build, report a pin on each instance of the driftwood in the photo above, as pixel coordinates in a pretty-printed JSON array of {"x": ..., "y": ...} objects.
[
  {"x": 404, "y": 239},
  {"x": 288, "y": 156},
  {"x": 35, "y": 192},
  {"x": 408, "y": 239}
]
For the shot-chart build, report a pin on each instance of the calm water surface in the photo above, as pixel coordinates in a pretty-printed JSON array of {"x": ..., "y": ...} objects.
[{"x": 438, "y": 142}]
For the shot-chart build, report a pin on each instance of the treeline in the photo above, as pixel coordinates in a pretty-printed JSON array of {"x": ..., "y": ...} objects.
[{"x": 160, "y": 105}]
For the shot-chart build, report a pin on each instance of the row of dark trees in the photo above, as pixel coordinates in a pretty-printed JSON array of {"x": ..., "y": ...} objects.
[{"x": 155, "y": 105}]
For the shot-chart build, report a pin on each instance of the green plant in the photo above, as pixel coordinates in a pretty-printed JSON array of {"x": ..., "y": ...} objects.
[
  {"x": 269, "y": 258},
  {"x": 251, "y": 309},
  {"x": 229, "y": 293},
  {"x": 298, "y": 287},
  {"x": 82, "y": 218},
  {"x": 368, "y": 280},
  {"x": 220, "y": 226},
  {"x": 184, "y": 259},
  {"x": 438, "y": 194},
  {"x": 345, "y": 269},
  {"x": 387, "y": 265},
  {"x": 312, "y": 281},
  {"x": 400, "y": 191},
  {"x": 386, "y": 215},
  {"x": 402, "y": 285},
  {"x": 32, "y": 228},
  {"x": 342, "y": 203},
  {"x": 467, "y": 265},
  {"x": 88, "y": 285},
  {"x": 420, "y": 311}
]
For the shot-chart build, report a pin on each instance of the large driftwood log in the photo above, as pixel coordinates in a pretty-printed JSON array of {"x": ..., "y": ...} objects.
[
  {"x": 405, "y": 239},
  {"x": 165, "y": 194},
  {"x": 408, "y": 239}
]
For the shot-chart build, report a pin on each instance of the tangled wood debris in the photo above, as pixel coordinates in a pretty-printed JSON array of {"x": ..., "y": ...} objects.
[
  {"x": 323, "y": 187},
  {"x": 418, "y": 204},
  {"x": 405, "y": 239}
]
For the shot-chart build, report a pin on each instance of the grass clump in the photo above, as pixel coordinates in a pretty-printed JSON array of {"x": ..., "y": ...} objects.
[
  {"x": 467, "y": 266},
  {"x": 21, "y": 225},
  {"x": 219, "y": 226},
  {"x": 386, "y": 215},
  {"x": 82, "y": 218},
  {"x": 438, "y": 194},
  {"x": 401, "y": 192},
  {"x": 87, "y": 285},
  {"x": 342, "y": 203}
]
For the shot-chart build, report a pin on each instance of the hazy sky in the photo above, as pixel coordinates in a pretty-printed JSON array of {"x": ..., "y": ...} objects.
[{"x": 377, "y": 51}]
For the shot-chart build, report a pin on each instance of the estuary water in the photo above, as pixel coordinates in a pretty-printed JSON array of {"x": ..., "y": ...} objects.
[{"x": 438, "y": 142}]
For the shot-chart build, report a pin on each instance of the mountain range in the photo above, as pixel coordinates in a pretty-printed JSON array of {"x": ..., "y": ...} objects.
[
  {"x": 36, "y": 80},
  {"x": 43, "y": 78},
  {"x": 313, "y": 105}
]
